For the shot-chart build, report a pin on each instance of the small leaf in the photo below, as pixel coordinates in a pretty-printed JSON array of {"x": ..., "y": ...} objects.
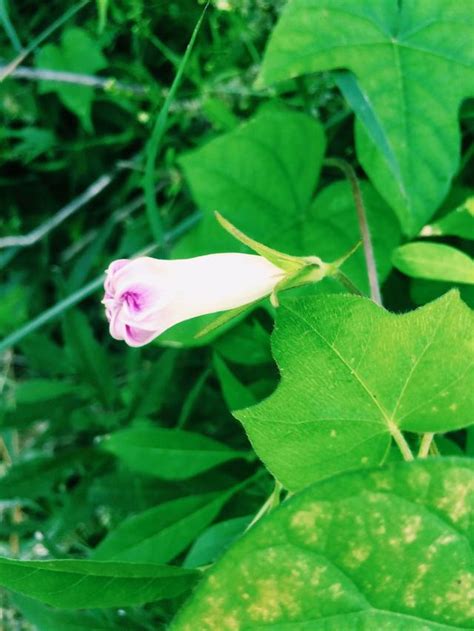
[
  {"x": 169, "y": 454},
  {"x": 389, "y": 550},
  {"x": 351, "y": 373},
  {"x": 434, "y": 261},
  {"x": 78, "y": 52},
  {"x": 161, "y": 533},
  {"x": 458, "y": 223},
  {"x": 79, "y": 584},
  {"x": 215, "y": 540}
]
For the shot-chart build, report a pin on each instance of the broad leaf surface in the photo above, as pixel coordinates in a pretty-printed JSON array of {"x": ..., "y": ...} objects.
[
  {"x": 351, "y": 372},
  {"x": 159, "y": 534},
  {"x": 79, "y": 584},
  {"x": 434, "y": 261},
  {"x": 387, "y": 550},
  {"x": 167, "y": 453},
  {"x": 410, "y": 58},
  {"x": 261, "y": 177}
]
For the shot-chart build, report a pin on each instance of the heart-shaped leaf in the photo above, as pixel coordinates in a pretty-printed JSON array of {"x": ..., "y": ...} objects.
[
  {"x": 353, "y": 375},
  {"x": 387, "y": 550},
  {"x": 410, "y": 58}
]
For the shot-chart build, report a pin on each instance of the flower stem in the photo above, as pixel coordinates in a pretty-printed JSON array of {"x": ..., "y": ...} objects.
[
  {"x": 425, "y": 444},
  {"x": 350, "y": 174},
  {"x": 402, "y": 444}
]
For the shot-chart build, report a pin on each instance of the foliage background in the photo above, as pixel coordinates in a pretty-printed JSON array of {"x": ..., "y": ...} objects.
[{"x": 67, "y": 385}]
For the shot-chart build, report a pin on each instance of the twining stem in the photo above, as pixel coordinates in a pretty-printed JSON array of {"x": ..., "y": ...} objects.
[
  {"x": 349, "y": 172},
  {"x": 402, "y": 444},
  {"x": 425, "y": 445}
]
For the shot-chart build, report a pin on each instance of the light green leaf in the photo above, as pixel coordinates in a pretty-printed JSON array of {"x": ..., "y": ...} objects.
[
  {"x": 159, "y": 534},
  {"x": 389, "y": 550},
  {"x": 458, "y": 223},
  {"x": 260, "y": 177},
  {"x": 80, "y": 584},
  {"x": 434, "y": 261},
  {"x": 168, "y": 453},
  {"x": 78, "y": 52},
  {"x": 410, "y": 58},
  {"x": 352, "y": 374}
]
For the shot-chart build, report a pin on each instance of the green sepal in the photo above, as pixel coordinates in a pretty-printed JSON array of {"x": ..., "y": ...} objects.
[{"x": 285, "y": 262}]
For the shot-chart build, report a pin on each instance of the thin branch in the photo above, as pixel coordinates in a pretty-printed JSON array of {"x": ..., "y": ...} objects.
[
  {"x": 38, "y": 233},
  {"x": 108, "y": 84},
  {"x": 9, "y": 68},
  {"x": 349, "y": 172}
]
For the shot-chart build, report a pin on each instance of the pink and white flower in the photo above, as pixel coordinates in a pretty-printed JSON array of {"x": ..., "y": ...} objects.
[{"x": 146, "y": 296}]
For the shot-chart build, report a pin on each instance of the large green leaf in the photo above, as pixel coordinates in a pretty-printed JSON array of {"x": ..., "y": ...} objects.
[
  {"x": 262, "y": 176},
  {"x": 389, "y": 550},
  {"x": 157, "y": 535},
  {"x": 352, "y": 375},
  {"x": 79, "y": 584},
  {"x": 410, "y": 58},
  {"x": 434, "y": 261},
  {"x": 170, "y": 454}
]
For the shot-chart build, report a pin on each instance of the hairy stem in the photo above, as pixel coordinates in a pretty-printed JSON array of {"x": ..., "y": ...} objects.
[{"x": 349, "y": 172}]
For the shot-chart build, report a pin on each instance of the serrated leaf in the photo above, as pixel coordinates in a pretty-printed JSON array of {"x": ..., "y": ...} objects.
[
  {"x": 170, "y": 454},
  {"x": 159, "y": 534},
  {"x": 410, "y": 58},
  {"x": 80, "y": 584},
  {"x": 387, "y": 550},
  {"x": 352, "y": 373},
  {"x": 78, "y": 52},
  {"x": 434, "y": 261}
]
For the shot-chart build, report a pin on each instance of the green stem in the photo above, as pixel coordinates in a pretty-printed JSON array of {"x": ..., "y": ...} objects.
[
  {"x": 425, "y": 444},
  {"x": 402, "y": 444},
  {"x": 154, "y": 143},
  {"x": 350, "y": 174}
]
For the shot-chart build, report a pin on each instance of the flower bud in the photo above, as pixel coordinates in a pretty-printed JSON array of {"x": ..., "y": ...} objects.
[{"x": 146, "y": 296}]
